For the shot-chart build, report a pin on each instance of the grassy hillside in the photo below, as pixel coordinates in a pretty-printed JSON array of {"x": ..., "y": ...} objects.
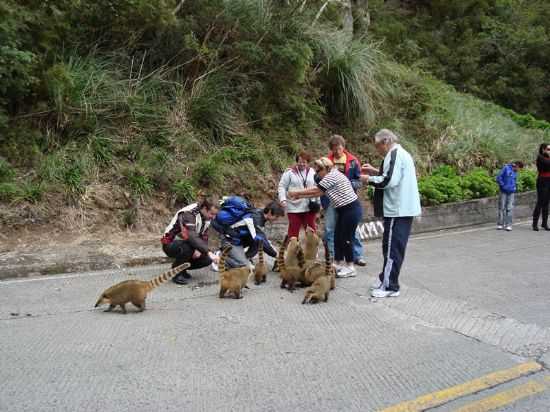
[{"x": 115, "y": 117}]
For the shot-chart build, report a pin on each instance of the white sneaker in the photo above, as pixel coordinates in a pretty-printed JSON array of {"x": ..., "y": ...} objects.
[
  {"x": 346, "y": 272},
  {"x": 383, "y": 293},
  {"x": 508, "y": 228},
  {"x": 500, "y": 227},
  {"x": 376, "y": 285}
]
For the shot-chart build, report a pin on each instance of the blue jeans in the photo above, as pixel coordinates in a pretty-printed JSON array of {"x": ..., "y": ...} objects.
[
  {"x": 330, "y": 225},
  {"x": 505, "y": 209}
]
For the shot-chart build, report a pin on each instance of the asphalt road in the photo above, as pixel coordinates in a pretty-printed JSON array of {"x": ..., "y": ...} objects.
[{"x": 470, "y": 330}]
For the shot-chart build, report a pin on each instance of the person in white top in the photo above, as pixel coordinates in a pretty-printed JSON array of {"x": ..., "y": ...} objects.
[
  {"x": 338, "y": 188},
  {"x": 301, "y": 213}
]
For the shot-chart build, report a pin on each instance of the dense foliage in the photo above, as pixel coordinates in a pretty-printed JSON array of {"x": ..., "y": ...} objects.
[
  {"x": 496, "y": 49},
  {"x": 445, "y": 185},
  {"x": 211, "y": 96}
]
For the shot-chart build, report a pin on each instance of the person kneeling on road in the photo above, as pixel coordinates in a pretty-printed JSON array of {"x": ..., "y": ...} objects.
[
  {"x": 241, "y": 226},
  {"x": 186, "y": 240}
]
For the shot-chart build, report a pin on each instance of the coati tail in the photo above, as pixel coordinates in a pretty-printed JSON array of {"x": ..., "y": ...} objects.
[
  {"x": 300, "y": 256},
  {"x": 261, "y": 252},
  {"x": 225, "y": 253},
  {"x": 328, "y": 259},
  {"x": 166, "y": 276},
  {"x": 281, "y": 255}
]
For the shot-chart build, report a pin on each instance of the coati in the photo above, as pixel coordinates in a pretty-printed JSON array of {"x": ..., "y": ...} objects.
[
  {"x": 290, "y": 274},
  {"x": 321, "y": 287},
  {"x": 233, "y": 279},
  {"x": 292, "y": 247},
  {"x": 311, "y": 244},
  {"x": 135, "y": 291},
  {"x": 260, "y": 270}
]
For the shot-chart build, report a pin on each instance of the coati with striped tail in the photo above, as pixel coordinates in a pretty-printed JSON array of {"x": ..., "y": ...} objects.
[
  {"x": 316, "y": 269},
  {"x": 234, "y": 279},
  {"x": 135, "y": 291},
  {"x": 320, "y": 289},
  {"x": 260, "y": 270},
  {"x": 290, "y": 274},
  {"x": 292, "y": 248},
  {"x": 311, "y": 244}
]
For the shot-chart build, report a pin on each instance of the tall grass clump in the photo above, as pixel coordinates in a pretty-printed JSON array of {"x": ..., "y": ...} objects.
[{"x": 350, "y": 76}]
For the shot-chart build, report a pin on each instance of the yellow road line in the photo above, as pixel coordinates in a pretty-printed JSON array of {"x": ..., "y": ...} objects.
[
  {"x": 434, "y": 399},
  {"x": 504, "y": 398}
]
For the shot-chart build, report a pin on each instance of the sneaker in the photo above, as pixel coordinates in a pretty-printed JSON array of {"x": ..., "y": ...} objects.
[
  {"x": 376, "y": 285},
  {"x": 383, "y": 293},
  {"x": 500, "y": 227},
  {"x": 346, "y": 272},
  {"x": 360, "y": 262},
  {"x": 185, "y": 274},
  {"x": 508, "y": 228}
]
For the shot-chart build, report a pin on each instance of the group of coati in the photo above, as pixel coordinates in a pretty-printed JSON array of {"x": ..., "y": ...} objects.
[{"x": 297, "y": 265}]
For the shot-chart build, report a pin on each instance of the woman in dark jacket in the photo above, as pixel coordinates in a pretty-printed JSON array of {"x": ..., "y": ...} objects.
[{"x": 543, "y": 187}]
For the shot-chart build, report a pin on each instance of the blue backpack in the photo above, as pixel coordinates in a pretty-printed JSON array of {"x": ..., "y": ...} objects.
[{"x": 233, "y": 209}]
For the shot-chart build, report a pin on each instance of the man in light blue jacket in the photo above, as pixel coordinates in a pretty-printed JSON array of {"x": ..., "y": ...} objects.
[{"x": 397, "y": 200}]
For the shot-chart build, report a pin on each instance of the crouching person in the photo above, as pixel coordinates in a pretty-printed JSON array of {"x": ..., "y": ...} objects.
[
  {"x": 241, "y": 226},
  {"x": 186, "y": 240}
]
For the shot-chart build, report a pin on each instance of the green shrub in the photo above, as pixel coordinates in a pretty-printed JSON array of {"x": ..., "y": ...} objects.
[
  {"x": 349, "y": 77},
  {"x": 6, "y": 171},
  {"x": 435, "y": 190},
  {"x": 185, "y": 191},
  {"x": 138, "y": 181},
  {"x": 445, "y": 171},
  {"x": 9, "y": 192},
  {"x": 101, "y": 149},
  {"x": 208, "y": 172},
  {"x": 69, "y": 168},
  {"x": 212, "y": 107},
  {"x": 478, "y": 183},
  {"x": 526, "y": 180}
]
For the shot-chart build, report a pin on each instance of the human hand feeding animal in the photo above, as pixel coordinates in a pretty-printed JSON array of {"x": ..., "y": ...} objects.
[{"x": 369, "y": 169}]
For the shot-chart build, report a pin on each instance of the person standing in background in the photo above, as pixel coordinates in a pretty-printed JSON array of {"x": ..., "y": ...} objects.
[
  {"x": 543, "y": 187},
  {"x": 350, "y": 166},
  {"x": 506, "y": 180}
]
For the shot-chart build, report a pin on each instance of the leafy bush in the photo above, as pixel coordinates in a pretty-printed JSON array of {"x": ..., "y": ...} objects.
[
  {"x": 436, "y": 189},
  {"x": 526, "y": 180},
  {"x": 184, "y": 190},
  {"x": 9, "y": 192},
  {"x": 138, "y": 181},
  {"x": 208, "y": 173},
  {"x": 478, "y": 183},
  {"x": 6, "y": 171}
]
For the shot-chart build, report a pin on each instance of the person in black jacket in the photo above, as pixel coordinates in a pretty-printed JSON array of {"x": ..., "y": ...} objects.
[
  {"x": 543, "y": 187},
  {"x": 186, "y": 240}
]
